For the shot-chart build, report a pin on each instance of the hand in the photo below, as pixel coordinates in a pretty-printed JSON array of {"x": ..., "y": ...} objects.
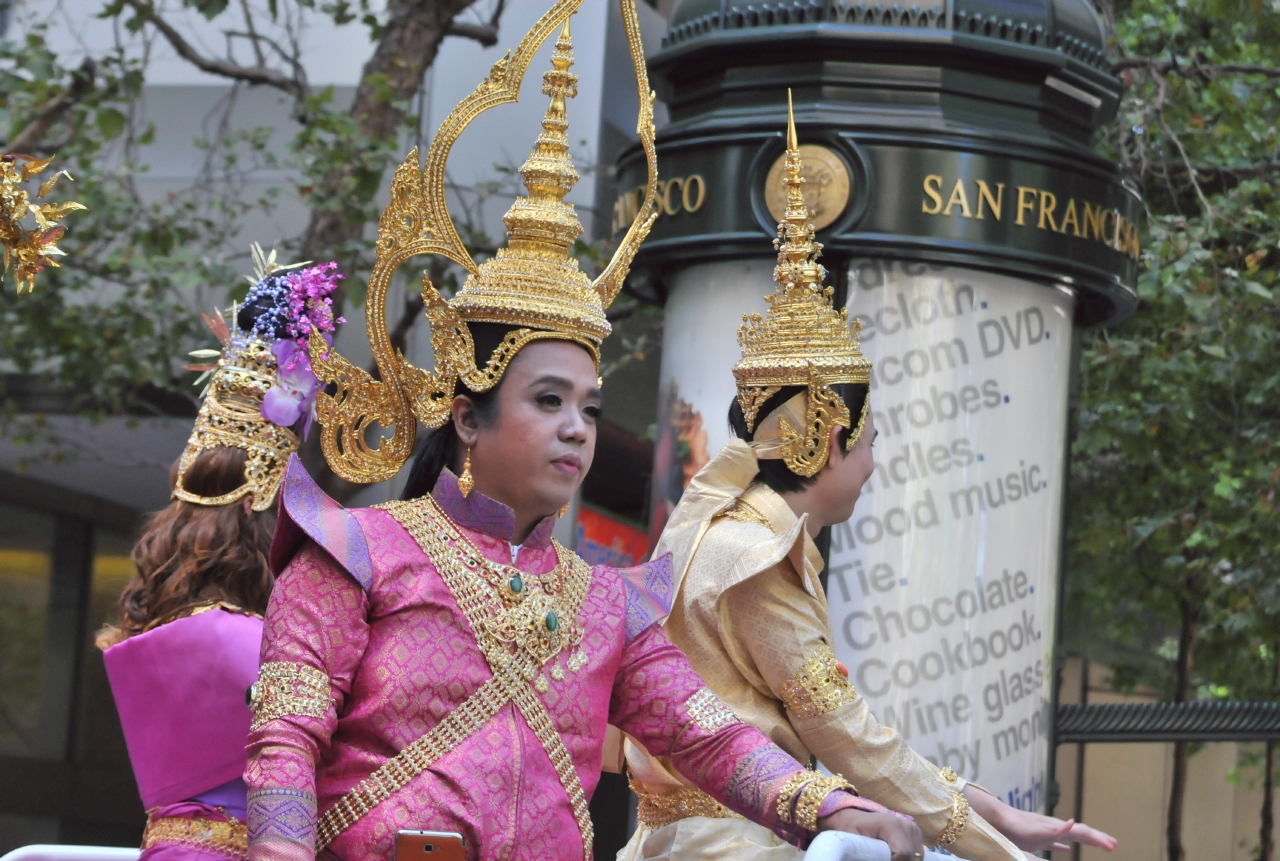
[
  {"x": 903, "y": 836},
  {"x": 1033, "y": 832}
]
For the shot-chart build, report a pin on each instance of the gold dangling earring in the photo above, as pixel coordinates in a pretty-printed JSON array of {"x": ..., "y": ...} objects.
[
  {"x": 466, "y": 481},
  {"x": 564, "y": 509}
]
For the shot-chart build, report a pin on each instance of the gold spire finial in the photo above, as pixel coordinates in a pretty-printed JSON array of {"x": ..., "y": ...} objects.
[{"x": 802, "y": 340}]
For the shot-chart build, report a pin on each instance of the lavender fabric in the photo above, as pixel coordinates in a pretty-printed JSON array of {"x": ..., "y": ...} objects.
[
  {"x": 650, "y": 593},
  {"x": 306, "y": 512},
  {"x": 180, "y": 691},
  {"x": 230, "y": 796},
  {"x": 483, "y": 514}
]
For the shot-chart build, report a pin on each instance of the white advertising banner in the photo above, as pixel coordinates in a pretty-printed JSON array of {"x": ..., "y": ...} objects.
[{"x": 942, "y": 585}]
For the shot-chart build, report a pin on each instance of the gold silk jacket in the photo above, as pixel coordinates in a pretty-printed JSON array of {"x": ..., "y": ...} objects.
[{"x": 752, "y": 618}]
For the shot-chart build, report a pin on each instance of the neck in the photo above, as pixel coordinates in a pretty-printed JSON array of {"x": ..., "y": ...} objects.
[
  {"x": 524, "y": 525},
  {"x": 807, "y": 502}
]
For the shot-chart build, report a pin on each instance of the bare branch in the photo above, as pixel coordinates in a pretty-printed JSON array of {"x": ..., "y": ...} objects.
[
  {"x": 35, "y": 131},
  {"x": 222, "y": 68},
  {"x": 486, "y": 34}
]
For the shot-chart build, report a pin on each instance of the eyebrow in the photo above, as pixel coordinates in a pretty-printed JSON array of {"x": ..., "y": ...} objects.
[{"x": 563, "y": 383}]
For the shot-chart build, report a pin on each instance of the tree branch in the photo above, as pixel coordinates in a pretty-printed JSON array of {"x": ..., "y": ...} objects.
[
  {"x": 1192, "y": 65},
  {"x": 222, "y": 68},
  {"x": 486, "y": 34},
  {"x": 35, "y": 131}
]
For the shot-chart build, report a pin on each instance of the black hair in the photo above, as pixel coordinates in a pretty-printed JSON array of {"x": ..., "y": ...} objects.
[
  {"x": 440, "y": 447},
  {"x": 775, "y": 473}
]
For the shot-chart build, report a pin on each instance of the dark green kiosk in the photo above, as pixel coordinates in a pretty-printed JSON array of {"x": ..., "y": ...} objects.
[{"x": 971, "y": 228}]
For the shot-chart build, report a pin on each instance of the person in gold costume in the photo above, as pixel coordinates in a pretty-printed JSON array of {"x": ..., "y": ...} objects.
[{"x": 750, "y": 612}]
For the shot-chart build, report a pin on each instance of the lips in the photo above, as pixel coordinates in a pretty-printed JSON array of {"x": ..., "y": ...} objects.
[{"x": 569, "y": 463}]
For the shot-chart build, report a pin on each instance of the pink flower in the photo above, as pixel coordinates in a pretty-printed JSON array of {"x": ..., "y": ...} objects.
[{"x": 294, "y": 395}]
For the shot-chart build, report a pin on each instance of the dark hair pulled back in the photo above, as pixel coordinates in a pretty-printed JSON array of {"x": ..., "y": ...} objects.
[{"x": 775, "y": 473}]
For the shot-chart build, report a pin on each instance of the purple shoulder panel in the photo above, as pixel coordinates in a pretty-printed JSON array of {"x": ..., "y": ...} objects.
[
  {"x": 650, "y": 593},
  {"x": 307, "y": 512}
]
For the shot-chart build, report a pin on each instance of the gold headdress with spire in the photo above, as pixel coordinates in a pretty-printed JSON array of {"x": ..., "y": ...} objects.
[
  {"x": 532, "y": 284},
  {"x": 802, "y": 340}
]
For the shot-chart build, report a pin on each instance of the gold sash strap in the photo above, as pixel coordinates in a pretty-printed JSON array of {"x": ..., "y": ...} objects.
[{"x": 512, "y": 678}]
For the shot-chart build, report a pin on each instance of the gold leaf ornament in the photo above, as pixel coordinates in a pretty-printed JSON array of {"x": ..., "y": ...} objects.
[
  {"x": 533, "y": 285},
  {"x": 28, "y": 250}
]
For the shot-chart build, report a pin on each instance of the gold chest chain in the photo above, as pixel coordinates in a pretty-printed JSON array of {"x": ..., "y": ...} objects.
[{"x": 520, "y": 626}]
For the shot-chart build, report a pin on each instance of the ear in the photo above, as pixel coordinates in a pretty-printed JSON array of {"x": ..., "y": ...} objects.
[
  {"x": 248, "y": 503},
  {"x": 833, "y": 446},
  {"x": 464, "y": 419}
]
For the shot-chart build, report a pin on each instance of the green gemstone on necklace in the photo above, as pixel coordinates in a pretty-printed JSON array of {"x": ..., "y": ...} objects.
[
  {"x": 516, "y": 584},
  {"x": 552, "y": 622}
]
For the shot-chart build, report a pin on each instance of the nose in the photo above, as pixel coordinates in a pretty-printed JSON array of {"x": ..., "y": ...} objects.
[{"x": 574, "y": 428}]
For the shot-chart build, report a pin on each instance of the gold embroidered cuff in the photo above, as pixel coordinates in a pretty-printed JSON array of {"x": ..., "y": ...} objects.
[
  {"x": 818, "y": 687},
  {"x": 284, "y": 688},
  {"x": 226, "y": 839},
  {"x": 959, "y": 821},
  {"x": 709, "y": 712},
  {"x": 812, "y": 796},
  {"x": 787, "y": 792},
  {"x": 657, "y": 811}
]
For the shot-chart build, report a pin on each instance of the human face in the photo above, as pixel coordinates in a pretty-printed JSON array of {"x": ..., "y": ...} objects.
[
  {"x": 535, "y": 452},
  {"x": 841, "y": 480}
]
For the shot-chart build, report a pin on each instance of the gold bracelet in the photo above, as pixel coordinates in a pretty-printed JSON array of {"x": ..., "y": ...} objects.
[
  {"x": 787, "y": 793},
  {"x": 959, "y": 821},
  {"x": 812, "y": 796}
]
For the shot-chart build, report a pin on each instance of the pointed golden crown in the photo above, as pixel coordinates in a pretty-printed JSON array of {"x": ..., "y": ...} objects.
[
  {"x": 532, "y": 284},
  {"x": 802, "y": 340}
]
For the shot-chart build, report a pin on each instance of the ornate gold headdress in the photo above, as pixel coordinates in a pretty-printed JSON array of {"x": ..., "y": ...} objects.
[
  {"x": 262, "y": 384},
  {"x": 802, "y": 340},
  {"x": 532, "y": 284}
]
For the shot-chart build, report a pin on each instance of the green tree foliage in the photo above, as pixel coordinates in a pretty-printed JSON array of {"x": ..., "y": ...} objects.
[{"x": 1172, "y": 572}]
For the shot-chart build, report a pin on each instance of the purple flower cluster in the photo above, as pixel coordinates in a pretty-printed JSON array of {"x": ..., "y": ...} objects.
[{"x": 286, "y": 306}]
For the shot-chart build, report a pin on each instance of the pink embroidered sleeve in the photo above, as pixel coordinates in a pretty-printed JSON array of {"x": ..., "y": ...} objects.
[
  {"x": 663, "y": 704},
  {"x": 315, "y": 632}
]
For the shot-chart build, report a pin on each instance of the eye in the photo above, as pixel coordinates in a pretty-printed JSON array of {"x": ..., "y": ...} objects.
[
  {"x": 550, "y": 399},
  {"x": 593, "y": 412}
]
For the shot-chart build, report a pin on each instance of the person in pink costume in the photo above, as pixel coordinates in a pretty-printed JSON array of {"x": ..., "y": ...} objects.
[
  {"x": 184, "y": 649},
  {"x": 370, "y": 646}
]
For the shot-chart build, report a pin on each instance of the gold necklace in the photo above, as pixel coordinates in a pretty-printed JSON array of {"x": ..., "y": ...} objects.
[{"x": 508, "y": 614}]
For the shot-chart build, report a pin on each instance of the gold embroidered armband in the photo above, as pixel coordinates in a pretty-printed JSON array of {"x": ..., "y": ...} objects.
[
  {"x": 821, "y": 685},
  {"x": 787, "y": 792},
  {"x": 284, "y": 688},
  {"x": 959, "y": 821},
  {"x": 709, "y": 712},
  {"x": 812, "y": 796}
]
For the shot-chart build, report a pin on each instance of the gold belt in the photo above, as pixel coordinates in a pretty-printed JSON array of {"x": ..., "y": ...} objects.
[
  {"x": 227, "y": 839},
  {"x": 656, "y": 810}
]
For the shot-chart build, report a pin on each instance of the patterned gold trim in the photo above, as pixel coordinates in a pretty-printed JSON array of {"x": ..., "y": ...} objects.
[
  {"x": 287, "y": 689},
  {"x": 709, "y": 712},
  {"x": 788, "y": 792},
  {"x": 959, "y": 821},
  {"x": 752, "y": 398},
  {"x": 657, "y": 811},
  {"x": 226, "y": 839},
  {"x": 197, "y": 609},
  {"x": 812, "y": 796},
  {"x": 744, "y": 512},
  {"x": 856, "y": 433},
  {"x": 818, "y": 686},
  {"x": 515, "y": 651}
]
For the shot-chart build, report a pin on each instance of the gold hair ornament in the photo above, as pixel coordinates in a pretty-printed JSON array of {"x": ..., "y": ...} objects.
[
  {"x": 532, "y": 284},
  {"x": 802, "y": 340},
  {"x": 231, "y": 416}
]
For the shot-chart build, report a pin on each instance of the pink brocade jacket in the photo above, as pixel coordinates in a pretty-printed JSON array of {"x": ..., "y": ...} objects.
[{"x": 366, "y": 649}]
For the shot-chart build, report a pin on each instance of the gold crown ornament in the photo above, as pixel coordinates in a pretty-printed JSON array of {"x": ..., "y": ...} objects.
[
  {"x": 262, "y": 384},
  {"x": 28, "y": 251},
  {"x": 801, "y": 341},
  {"x": 532, "y": 285}
]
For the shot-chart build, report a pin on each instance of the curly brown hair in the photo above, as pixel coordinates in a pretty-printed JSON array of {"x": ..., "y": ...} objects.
[{"x": 194, "y": 554}]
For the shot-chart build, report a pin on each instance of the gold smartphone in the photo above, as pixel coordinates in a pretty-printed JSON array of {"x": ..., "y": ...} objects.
[{"x": 430, "y": 846}]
